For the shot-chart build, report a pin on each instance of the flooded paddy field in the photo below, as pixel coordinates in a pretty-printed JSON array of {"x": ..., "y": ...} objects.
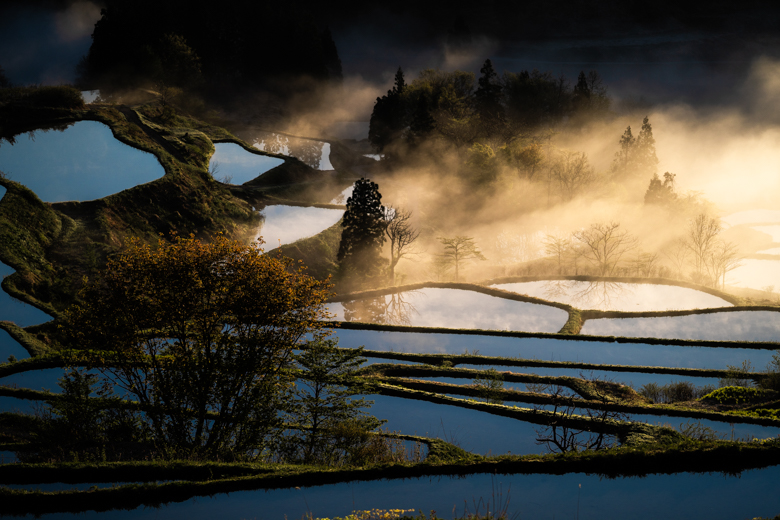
[
  {"x": 235, "y": 165},
  {"x": 718, "y": 326},
  {"x": 434, "y": 307},
  {"x": 617, "y": 296},
  {"x": 71, "y": 164},
  {"x": 286, "y": 224},
  {"x": 553, "y": 349}
]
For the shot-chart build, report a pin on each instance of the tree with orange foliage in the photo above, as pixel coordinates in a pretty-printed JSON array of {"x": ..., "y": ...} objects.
[{"x": 201, "y": 335}]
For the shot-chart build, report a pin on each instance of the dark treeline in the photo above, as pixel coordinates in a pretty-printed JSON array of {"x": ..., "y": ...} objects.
[{"x": 218, "y": 47}]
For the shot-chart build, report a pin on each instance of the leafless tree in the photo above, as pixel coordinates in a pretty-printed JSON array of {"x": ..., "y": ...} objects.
[
  {"x": 701, "y": 240},
  {"x": 605, "y": 244},
  {"x": 677, "y": 253},
  {"x": 572, "y": 171},
  {"x": 458, "y": 251},
  {"x": 558, "y": 247},
  {"x": 645, "y": 264},
  {"x": 723, "y": 257},
  {"x": 401, "y": 236}
]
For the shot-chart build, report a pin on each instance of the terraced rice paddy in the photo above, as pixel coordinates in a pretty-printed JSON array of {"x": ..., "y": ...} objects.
[
  {"x": 55, "y": 166},
  {"x": 235, "y": 165},
  {"x": 435, "y": 307},
  {"x": 617, "y": 296}
]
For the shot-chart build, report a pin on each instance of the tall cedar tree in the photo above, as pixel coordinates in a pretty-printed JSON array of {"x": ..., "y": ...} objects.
[
  {"x": 389, "y": 118},
  {"x": 363, "y": 235},
  {"x": 488, "y": 100}
]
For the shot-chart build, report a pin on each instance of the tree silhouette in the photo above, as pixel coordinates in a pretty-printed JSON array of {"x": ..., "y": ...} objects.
[
  {"x": 488, "y": 99},
  {"x": 389, "y": 117},
  {"x": 363, "y": 234},
  {"x": 459, "y": 251}
]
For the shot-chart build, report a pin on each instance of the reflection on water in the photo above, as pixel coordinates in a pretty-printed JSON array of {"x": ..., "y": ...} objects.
[
  {"x": 679, "y": 496},
  {"x": 374, "y": 156},
  {"x": 724, "y": 430},
  {"x": 721, "y": 326},
  {"x": 598, "y": 352},
  {"x": 752, "y": 216},
  {"x": 83, "y": 162},
  {"x": 392, "y": 309},
  {"x": 454, "y": 308},
  {"x": 315, "y": 154},
  {"x": 755, "y": 274},
  {"x": 472, "y": 430},
  {"x": 617, "y": 296},
  {"x": 232, "y": 164},
  {"x": 286, "y": 224}
]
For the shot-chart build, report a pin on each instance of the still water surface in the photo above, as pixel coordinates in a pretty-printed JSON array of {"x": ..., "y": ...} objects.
[
  {"x": 234, "y": 165},
  {"x": 719, "y": 326},
  {"x": 602, "y": 352},
  {"x": 453, "y": 308},
  {"x": 617, "y": 296},
  {"x": 535, "y": 497},
  {"x": 83, "y": 162},
  {"x": 286, "y": 224}
]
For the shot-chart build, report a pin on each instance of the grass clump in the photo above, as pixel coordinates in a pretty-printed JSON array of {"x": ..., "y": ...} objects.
[{"x": 734, "y": 395}]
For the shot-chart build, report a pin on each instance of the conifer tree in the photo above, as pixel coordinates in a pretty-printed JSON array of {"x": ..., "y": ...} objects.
[
  {"x": 488, "y": 99},
  {"x": 389, "y": 117},
  {"x": 363, "y": 234}
]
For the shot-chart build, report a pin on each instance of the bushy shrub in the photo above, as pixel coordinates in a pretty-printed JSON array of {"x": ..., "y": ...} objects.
[
  {"x": 737, "y": 395},
  {"x": 678, "y": 391}
]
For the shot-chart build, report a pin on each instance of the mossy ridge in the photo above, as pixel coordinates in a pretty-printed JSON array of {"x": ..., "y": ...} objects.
[
  {"x": 667, "y": 455},
  {"x": 764, "y": 418},
  {"x": 33, "y": 345},
  {"x": 587, "y": 389},
  {"x": 735, "y": 300},
  {"x": 500, "y": 293},
  {"x": 475, "y": 359},
  {"x": 542, "y": 417},
  {"x": 757, "y": 345}
]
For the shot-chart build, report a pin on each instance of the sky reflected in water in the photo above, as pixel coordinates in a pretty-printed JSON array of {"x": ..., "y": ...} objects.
[
  {"x": 83, "y": 162},
  {"x": 234, "y": 165},
  {"x": 719, "y": 326},
  {"x": 617, "y": 296},
  {"x": 454, "y": 308}
]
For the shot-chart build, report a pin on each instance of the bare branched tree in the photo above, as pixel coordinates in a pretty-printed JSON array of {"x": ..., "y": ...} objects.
[
  {"x": 645, "y": 264},
  {"x": 677, "y": 253},
  {"x": 401, "y": 234},
  {"x": 572, "y": 171},
  {"x": 723, "y": 257},
  {"x": 559, "y": 248},
  {"x": 459, "y": 251},
  {"x": 605, "y": 244},
  {"x": 701, "y": 240}
]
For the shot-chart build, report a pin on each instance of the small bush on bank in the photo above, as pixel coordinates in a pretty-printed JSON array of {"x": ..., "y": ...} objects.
[
  {"x": 737, "y": 395},
  {"x": 676, "y": 392}
]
